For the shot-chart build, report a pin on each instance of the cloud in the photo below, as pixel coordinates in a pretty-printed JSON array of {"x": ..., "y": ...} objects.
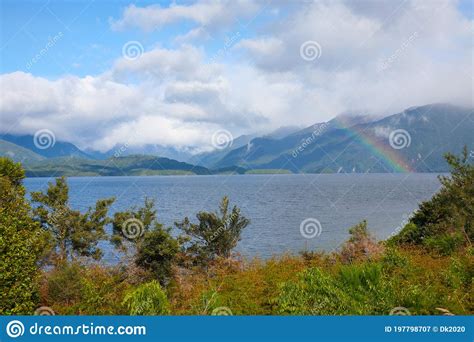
[
  {"x": 374, "y": 59},
  {"x": 210, "y": 13},
  {"x": 186, "y": 62},
  {"x": 373, "y": 55}
]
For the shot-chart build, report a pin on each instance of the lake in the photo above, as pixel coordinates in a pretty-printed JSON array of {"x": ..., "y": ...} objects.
[{"x": 276, "y": 204}]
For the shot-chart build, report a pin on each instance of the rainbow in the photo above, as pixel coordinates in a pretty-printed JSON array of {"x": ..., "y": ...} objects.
[{"x": 383, "y": 152}]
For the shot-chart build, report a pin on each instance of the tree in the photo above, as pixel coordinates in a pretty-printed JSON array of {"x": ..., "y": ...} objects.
[
  {"x": 22, "y": 244},
  {"x": 446, "y": 221},
  {"x": 216, "y": 234},
  {"x": 129, "y": 226},
  {"x": 154, "y": 246},
  {"x": 157, "y": 253},
  {"x": 75, "y": 234}
]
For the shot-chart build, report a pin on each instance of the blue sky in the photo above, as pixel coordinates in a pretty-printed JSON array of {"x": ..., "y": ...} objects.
[
  {"x": 89, "y": 45},
  {"x": 236, "y": 65}
]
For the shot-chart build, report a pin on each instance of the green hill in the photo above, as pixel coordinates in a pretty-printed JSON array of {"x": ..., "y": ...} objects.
[
  {"x": 121, "y": 166},
  {"x": 18, "y": 153},
  {"x": 365, "y": 147}
]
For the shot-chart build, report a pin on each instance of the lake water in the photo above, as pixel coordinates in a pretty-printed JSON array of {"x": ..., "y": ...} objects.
[{"x": 275, "y": 204}]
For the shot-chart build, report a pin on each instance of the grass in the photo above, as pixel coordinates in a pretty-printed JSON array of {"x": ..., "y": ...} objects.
[
  {"x": 323, "y": 285},
  {"x": 312, "y": 284}
]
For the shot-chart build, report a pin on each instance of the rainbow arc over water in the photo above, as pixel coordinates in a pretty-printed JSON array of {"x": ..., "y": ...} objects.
[{"x": 392, "y": 158}]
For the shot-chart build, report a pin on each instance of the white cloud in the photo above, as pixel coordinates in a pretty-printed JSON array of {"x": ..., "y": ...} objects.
[
  {"x": 177, "y": 97},
  {"x": 211, "y": 14},
  {"x": 428, "y": 50}
]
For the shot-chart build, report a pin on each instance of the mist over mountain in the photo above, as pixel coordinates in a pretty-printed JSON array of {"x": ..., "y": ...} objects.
[
  {"x": 339, "y": 145},
  {"x": 411, "y": 141}
]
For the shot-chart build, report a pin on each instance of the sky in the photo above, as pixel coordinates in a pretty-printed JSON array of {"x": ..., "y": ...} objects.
[{"x": 173, "y": 73}]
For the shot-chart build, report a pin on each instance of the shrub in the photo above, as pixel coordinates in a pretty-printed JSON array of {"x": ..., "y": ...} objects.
[
  {"x": 445, "y": 223},
  {"x": 147, "y": 299},
  {"x": 63, "y": 285},
  {"x": 409, "y": 235},
  {"x": 444, "y": 244},
  {"x": 361, "y": 244},
  {"x": 22, "y": 244},
  {"x": 393, "y": 259},
  {"x": 74, "y": 289},
  {"x": 362, "y": 289},
  {"x": 314, "y": 293}
]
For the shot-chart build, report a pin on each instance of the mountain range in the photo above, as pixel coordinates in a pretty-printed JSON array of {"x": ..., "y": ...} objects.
[{"x": 414, "y": 140}]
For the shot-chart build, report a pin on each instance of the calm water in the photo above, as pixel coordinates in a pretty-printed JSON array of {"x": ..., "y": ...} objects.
[{"x": 275, "y": 204}]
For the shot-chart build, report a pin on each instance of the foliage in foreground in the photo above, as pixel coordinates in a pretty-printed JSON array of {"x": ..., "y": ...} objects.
[
  {"x": 155, "y": 248},
  {"x": 364, "y": 277},
  {"x": 21, "y": 244},
  {"x": 445, "y": 223},
  {"x": 74, "y": 234},
  {"x": 147, "y": 299},
  {"x": 215, "y": 235}
]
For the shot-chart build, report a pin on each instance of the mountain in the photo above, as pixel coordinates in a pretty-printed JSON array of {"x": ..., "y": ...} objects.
[
  {"x": 262, "y": 150},
  {"x": 18, "y": 153},
  {"x": 212, "y": 158},
  {"x": 282, "y": 132},
  {"x": 122, "y": 150},
  {"x": 342, "y": 146},
  {"x": 414, "y": 140},
  {"x": 122, "y": 166},
  {"x": 58, "y": 149}
]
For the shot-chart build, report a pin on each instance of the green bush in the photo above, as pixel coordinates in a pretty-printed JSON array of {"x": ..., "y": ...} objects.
[
  {"x": 74, "y": 289},
  {"x": 361, "y": 244},
  {"x": 64, "y": 284},
  {"x": 363, "y": 289},
  {"x": 22, "y": 244},
  {"x": 409, "y": 235},
  {"x": 393, "y": 259},
  {"x": 147, "y": 299},
  {"x": 444, "y": 244},
  {"x": 353, "y": 290},
  {"x": 445, "y": 223}
]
